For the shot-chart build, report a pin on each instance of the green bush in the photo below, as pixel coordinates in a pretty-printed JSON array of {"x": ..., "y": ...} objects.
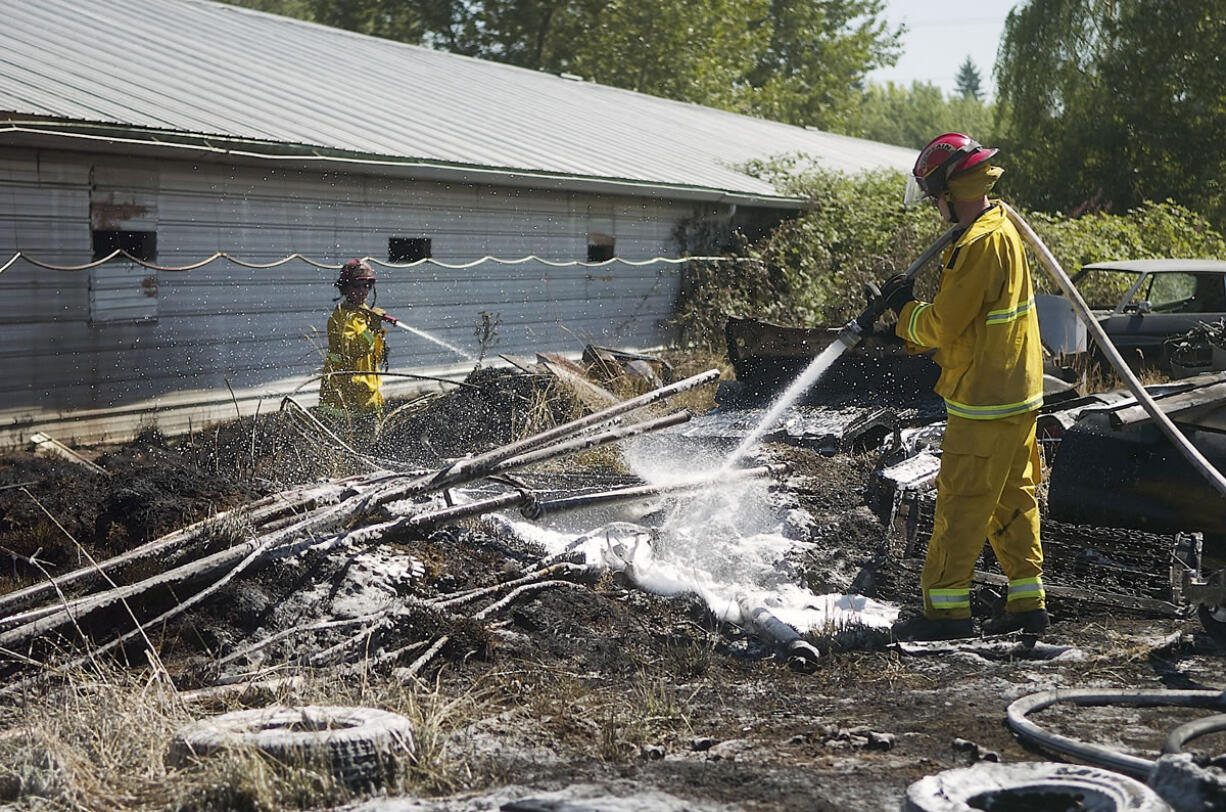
[
  {"x": 1150, "y": 231},
  {"x": 811, "y": 270}
]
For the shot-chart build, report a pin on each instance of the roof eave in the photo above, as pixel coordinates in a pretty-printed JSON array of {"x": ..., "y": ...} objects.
[{"x": 189, "y": 146}]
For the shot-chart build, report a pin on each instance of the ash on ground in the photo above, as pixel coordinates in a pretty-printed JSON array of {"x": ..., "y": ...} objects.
[{"x": 631, "y": 677}]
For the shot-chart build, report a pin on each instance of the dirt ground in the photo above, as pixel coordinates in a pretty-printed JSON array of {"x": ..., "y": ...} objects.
[{"x": 585, "y": 693}]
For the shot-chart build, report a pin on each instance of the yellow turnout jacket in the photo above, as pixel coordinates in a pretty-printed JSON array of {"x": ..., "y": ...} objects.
[
  {"x": 982, "y": 324},
  {"x": 352, "y": 347}
]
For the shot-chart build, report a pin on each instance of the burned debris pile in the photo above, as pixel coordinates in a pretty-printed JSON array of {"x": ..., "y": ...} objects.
[
  {"x": 634, "y": 627},
  {"x": 375, "y": 521}
]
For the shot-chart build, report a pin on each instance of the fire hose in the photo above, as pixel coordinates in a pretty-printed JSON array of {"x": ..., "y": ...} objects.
[
  {"x": 1182, "y": 443},
  {"x": 1098, "y": 754},
  {"x": 854, "y": 330}
]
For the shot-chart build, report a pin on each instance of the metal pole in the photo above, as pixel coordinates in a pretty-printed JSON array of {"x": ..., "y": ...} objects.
[
  {"x": 434, "y": 517},
  {"x": 589, "y": 441},
  {"x": 460, "y": 467},
  {"x": 523, "y": 498},
  {"x": 540, "y": 509}
]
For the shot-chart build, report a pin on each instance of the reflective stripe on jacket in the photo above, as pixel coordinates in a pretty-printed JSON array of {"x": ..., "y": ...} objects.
[
  {"x": 352, "y": 347},
  {"x": 983, "y": 324}
]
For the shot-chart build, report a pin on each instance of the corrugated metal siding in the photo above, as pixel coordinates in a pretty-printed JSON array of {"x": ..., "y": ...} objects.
[
  {"x": 259, "y": 331},
  {"x": 199, "y": 67}
]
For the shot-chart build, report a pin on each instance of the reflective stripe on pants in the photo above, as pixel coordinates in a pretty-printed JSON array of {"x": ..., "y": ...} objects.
[{"x": 985, "y": 490}]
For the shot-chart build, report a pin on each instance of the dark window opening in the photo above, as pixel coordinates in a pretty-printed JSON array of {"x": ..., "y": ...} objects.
[
  {"x": 408, "y": 249},
  {"x": 599, "y": 247},
  {"x": 142, "y": 245}
]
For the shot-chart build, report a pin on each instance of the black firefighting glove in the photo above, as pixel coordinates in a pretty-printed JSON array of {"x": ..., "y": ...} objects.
[
  {"x": 873, "y": 308},
  {"x": 897, "y": 291}
]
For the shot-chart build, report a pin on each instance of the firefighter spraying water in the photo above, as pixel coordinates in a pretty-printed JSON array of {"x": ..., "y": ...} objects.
[
  {"x": 350, "y": 387},
  {"x": 357, "y": 347},
  {"x": 982, "y": 331}
]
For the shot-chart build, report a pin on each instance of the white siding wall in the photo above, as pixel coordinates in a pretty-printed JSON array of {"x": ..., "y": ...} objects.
[{"x": 260, "y": 329}]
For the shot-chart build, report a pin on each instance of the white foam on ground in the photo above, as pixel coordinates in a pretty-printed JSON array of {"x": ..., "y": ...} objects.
[{"x": 720, "y": 543}]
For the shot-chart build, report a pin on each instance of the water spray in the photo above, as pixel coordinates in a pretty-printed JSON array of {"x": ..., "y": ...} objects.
[
  {"x": 395, "y": 322},
  {"x": 848, "y": 337}
]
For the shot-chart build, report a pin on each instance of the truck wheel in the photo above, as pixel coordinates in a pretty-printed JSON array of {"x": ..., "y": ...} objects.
[
  {"x": 360, "y": 746},
  {"x": 1031, "y": 786}
]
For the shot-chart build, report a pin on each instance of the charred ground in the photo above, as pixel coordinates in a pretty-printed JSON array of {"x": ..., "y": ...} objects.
[{"x": 593, "y": 683}]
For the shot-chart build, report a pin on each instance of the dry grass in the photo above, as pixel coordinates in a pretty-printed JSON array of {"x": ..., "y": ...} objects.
[
  {"x": 590, "y": 716},
  {"x": 551, "y": 405},
  {"x": 99, "y": 741},
  {"x": 693, "y": 362},
  {"x": 1099, "y": 376}
]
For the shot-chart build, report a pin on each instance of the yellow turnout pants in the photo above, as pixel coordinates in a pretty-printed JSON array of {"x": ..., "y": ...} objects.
[{"x": 985, "y": 489}]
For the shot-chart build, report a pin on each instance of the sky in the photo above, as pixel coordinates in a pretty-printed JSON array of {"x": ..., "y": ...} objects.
[{"x": 940, "y": 36}]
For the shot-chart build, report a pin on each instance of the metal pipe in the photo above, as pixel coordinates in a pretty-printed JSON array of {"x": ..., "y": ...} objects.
[
  {"x": 462, "y": 467},
  {"x": 475, "y": 467},
  {"x": 534, "y": 510},
  {"x": 524, "y": 499},
  {"x": 801, "y": 655},
  {"x": 1198, "y": 460},
  {"x": 539, "y": 509},
  {"x": 589, "y": 441},
  {"x": 434, "y": 517}
]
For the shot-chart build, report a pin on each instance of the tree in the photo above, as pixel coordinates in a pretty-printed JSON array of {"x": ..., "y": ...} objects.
[
  {"x": 910, "y": 117},
  {"x": 690, "y": 50},
  {"x": 390, "y": 19},
  {"x": 818, "y": 54},
  {"x": 967, "y": 82},
  {"x": 799, "y": 61},
  {"x": 1109, "y": 103}
]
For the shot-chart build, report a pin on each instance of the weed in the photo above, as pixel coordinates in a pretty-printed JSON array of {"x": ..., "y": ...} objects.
[
  {"x": 99, "y": 740},
  {"x": 486, "y": 333}
]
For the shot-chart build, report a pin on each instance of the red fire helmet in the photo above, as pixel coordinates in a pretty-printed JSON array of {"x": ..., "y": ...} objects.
[
  {"x": 945, "y": 156},
  {"x": 352, "y": 271}
]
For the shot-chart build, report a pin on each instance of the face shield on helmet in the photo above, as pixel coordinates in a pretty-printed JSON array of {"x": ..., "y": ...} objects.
[
  {"x": 913, "y": 193},
  {"x": 946, "y": 156}
]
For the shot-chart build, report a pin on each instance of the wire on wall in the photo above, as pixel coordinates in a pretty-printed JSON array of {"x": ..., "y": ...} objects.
[{"x": 119, "y": 253}]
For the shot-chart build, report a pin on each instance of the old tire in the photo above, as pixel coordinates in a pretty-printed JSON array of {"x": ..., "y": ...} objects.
[
  {"x": 362, "y": 747},
  {"x": 1031, "y": 786}
]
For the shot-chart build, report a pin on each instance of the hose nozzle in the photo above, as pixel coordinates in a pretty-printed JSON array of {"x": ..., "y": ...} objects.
[
  {"x": 851, "y": 333},
  {"x": 862, "y": 324}
]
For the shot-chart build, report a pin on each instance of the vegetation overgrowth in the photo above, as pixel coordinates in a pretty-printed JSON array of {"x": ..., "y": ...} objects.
[{"x": 811, "y": 270}]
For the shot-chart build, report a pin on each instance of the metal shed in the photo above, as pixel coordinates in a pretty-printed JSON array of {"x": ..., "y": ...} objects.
[{"x": 181, "y": 128}]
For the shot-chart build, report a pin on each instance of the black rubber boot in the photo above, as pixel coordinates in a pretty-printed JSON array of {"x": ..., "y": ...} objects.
[
  {"x": 921, "y": 628},
  {"x": 1033, "y": 622}
]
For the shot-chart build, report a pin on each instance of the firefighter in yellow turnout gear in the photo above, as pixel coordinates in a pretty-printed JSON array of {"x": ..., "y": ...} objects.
[
  {"x": 350, "y": 385},
  {"x": 984, "y": 331}
]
